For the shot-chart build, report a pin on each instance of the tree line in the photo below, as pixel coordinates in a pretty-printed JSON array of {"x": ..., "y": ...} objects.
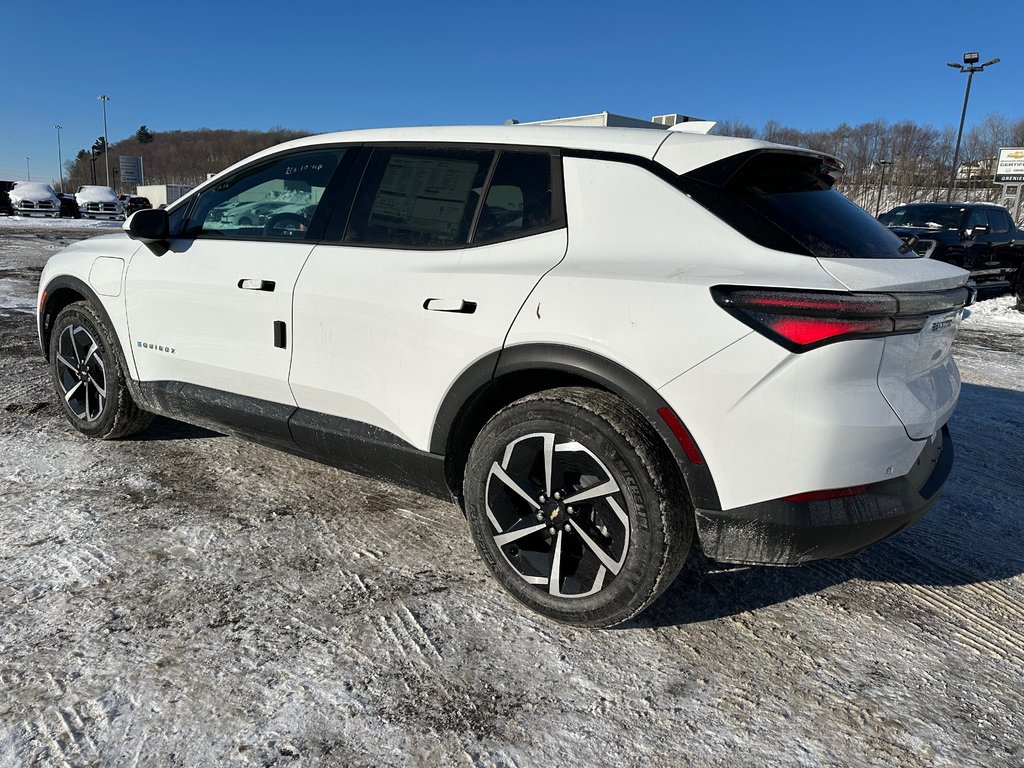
[
  {"x": 172, "y": 157},
  {"x": 916, "y": 159}
]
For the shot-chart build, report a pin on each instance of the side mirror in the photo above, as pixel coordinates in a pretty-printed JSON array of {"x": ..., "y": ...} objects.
[
  {"x": 981, "y": 229},
  {"x": 147, "y": 226}
]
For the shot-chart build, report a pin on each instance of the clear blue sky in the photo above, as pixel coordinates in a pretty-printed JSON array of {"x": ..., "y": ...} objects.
[{"x": 323, "y": 66}]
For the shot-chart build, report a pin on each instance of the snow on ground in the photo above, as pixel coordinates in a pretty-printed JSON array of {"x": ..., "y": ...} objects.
[
  {"x": 40, "y": 225},
  {"x": 185, "y": 598}
]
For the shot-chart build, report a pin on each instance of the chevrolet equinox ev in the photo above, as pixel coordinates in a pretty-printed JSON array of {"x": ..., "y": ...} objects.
[{"x": 602, "y": 343}]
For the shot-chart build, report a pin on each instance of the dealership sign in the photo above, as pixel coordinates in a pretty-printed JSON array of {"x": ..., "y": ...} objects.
[
  {"x": 1010, "y": 168},
  {"x": 131, "y": 169}
]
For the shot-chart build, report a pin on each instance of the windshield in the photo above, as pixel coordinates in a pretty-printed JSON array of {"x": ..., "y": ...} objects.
[{"x": 926, "y": 216}]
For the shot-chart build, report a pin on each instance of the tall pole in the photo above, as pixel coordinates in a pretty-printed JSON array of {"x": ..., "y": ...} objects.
[
  {"x": 106, "y": 142},
  {"x": 959, "y": 134},
  {"x": 28, "y": 170},
  {"x": 878, "y": 199},
  {"x": 60, "y": 159},
  {"x": 970, "y": 66}
]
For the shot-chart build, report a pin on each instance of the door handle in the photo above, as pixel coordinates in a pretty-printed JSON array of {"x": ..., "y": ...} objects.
[
  {"x": 450, "y": 305},
  {"x": 248, "y": 284}
]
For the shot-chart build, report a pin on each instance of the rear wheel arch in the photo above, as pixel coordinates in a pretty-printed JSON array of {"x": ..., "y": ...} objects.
[{"x": 502, "y": 378}]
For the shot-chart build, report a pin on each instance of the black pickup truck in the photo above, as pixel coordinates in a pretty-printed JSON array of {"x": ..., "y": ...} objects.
[{"x": 979, "y": 237}]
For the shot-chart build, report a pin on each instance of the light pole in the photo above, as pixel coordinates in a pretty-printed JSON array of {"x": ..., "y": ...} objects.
[
  {"x": 106, "y": 142},
  {"x": 60, "y": 160},
  {"x": 970, "y": 66},
  {"x": 878, "y": 199},
  {"x": 28, "y": 169}
]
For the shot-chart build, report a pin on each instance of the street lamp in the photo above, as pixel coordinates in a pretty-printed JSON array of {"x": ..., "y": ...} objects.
[
  {"x": 878, "y": 199},
  {"x": 970, "y": 66},
  {"x": 106, "y": 143},
  {"x": 60, "y": 160},
  {"x": 28, "y": 169}
]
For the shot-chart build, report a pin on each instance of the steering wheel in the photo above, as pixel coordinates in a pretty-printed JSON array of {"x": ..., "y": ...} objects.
[{"x": 285, "y": 225}]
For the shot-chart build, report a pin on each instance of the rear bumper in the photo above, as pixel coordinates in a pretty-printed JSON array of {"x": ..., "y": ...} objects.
[{"x": 789, "y": 533}]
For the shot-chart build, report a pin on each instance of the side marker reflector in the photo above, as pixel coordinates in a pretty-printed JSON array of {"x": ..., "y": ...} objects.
[{"x": 687, "y": 443}]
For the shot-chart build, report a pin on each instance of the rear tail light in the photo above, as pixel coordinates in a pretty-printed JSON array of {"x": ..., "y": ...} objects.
[{"x": 804, "y": 320}]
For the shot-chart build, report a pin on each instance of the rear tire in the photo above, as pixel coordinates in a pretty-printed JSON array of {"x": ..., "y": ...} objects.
[
  {"x": 88, "y": 379},
  {"x": 575, "y": 507}
]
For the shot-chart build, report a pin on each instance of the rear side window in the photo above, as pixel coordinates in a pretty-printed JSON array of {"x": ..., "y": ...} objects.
[
  {"x": 419, "y": 197},
  {"x": 520, "y": 198},
  {"x": 998, "y": 222},
  {"x": 786, "y": 202}
]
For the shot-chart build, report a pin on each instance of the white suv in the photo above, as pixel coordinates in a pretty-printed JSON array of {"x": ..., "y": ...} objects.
[{"x": 598, "y": 341}]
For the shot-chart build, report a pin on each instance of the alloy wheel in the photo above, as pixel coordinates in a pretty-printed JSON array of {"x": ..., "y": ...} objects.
[
  {"x": 81, "y": 372},
  {"x": 558, "y": 515}
]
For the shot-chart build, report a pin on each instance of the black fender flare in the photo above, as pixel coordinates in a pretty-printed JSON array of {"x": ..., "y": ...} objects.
[{"x": 581, "y": 363}]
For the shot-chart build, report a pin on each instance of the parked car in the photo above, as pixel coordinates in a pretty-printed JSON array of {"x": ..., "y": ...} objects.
[
  {"x": 135, "y": 203},
  {"x": 597, "y": 342},
  {"x": 69, "y": 207},
  {"x": 32, "y": 198},
  {"x": 98, "y": 202},
  {"x": 979, "y": 237},
  {"x": 6, "y": 209}
]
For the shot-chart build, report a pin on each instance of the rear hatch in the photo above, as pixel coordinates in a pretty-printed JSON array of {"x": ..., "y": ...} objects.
[
  {"x": 917, "y": 374},
  {"x": 783, "y": 199}
]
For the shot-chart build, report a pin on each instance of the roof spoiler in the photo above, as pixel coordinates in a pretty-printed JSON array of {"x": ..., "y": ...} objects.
[{"x": 694, "y": 126}]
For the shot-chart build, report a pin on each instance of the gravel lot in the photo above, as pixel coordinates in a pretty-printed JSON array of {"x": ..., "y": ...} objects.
[{"x": 187, "y": 598}]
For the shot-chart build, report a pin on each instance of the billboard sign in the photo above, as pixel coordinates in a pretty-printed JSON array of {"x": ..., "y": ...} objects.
[
  {"x": 131, "y": 169},
  {"x": 1010, "y": 167}
]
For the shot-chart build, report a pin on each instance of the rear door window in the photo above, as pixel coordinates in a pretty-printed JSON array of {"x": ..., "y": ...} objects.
[
  {"x": 998, "y": 222},
  {"x": 419, "y": 197}
]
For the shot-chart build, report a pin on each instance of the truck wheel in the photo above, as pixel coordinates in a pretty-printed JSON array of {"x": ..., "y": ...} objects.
[{"x": 575, "y": 507}]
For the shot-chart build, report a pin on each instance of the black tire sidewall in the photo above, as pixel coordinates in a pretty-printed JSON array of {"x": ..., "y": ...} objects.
[{"x": 637, "y": 581}]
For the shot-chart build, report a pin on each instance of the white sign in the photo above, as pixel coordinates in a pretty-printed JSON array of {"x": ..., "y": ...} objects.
[
  {"x": 131, "y": 169},
  {"x": 1010, "y": 168}
]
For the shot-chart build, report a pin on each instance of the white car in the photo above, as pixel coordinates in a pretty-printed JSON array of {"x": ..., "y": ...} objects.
[
  {"x": 30, "y": 198},
  {"x": 98, "y": 202},
  {"x": 598, "y": 341}
]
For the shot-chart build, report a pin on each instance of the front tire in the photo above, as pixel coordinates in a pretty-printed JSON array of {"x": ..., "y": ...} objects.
[
  {"x": 88, "y": 379},
  {"x": 575, "y": 507}
]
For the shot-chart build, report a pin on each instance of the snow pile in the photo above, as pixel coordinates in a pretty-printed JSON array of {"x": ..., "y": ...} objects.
[
  {"x": 998, "y": 313},
  {"x": 91, "y": 194},
  {"x": 33, "y": 191}
]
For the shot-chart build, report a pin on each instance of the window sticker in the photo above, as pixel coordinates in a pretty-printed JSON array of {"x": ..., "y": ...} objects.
[{"x": 424, "y": 194}]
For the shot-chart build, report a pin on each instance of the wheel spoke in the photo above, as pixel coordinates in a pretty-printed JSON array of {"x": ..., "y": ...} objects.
[
  {"x": 549, "y": 455},
  {"x": 556, "y": 568},
  {"x": 92, "y": 351},
  {"x": 509, "y": 536},
  {"x": 61, "y": 359},
  {"x": 502, "y": 475},
  {"x": 594, "y": 491},
  {"x": 603, "y": 556},
  {"x": 74, "y": 346},
  {"x": 70, "y": 392},
  {"x": 101, "y": 391}
]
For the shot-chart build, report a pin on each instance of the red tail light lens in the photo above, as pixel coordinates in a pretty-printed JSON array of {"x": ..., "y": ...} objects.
[
  {"x": 804, "y": 320},
  {"x": 829, "y": 495}
]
